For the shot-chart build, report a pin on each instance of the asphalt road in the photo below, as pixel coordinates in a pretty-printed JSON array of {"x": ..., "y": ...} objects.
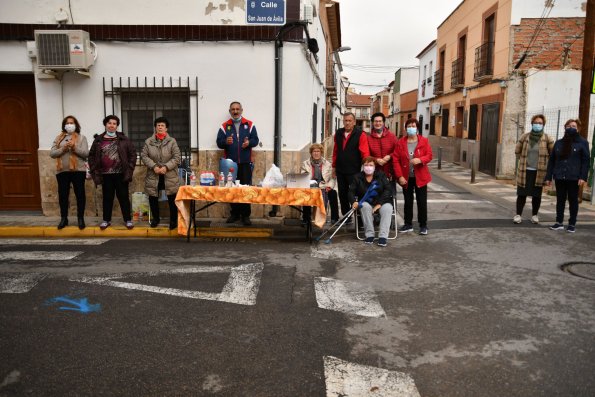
[{"x": 479, "y": 307}]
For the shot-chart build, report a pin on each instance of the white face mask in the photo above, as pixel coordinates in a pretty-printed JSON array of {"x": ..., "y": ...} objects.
[
  {"x": 110, "y": 134},
  {"x": 369, "y": 169},
  {"x": 69, "y": 128}
]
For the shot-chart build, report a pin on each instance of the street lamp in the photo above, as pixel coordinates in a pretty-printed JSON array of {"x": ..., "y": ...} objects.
[{"x": 343, "y": 48}]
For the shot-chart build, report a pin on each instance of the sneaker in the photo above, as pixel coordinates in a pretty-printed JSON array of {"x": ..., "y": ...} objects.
[
  {"x": 517, "y": 219},
  {"x": 534, "y": 219},
  {"x": 406, "y": 229},
  {"x": 557, "y": 226},
  {"x": 423, "y": 231},
  {"x": 570, "y": 229},
  {"x": 382, "y": 242},
  {"x": 104, "y": 225},
  {"x": 369, "y": 240},
  {"x": 129, "y": 225}
]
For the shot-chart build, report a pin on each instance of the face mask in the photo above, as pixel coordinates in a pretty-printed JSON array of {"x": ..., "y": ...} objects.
[
  {"x": 571, "y": 131},
  {"x": 411, "y": 130},
  {"x": 69, "y": 128},
  {"x": 369, "y": 169},
  {"x": 537, "y": 127},
  {"x": 239, "y": 118},
  {"x": 379, "y": 130},
  {"x": 110, "y": 134}
]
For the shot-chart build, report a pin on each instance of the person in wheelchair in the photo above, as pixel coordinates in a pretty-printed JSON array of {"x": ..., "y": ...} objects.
[
  {"x": 378, "y": 202},
  {"x": 320, "y": 170}
]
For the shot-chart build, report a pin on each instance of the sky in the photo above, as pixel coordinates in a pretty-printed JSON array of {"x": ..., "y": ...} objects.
[{"x": 387, "y": 34}]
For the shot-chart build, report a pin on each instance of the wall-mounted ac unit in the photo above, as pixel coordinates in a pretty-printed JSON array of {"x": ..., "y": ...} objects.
[
  {"x": 63, "y": 49},
  {"x": 436, "y": 108},
  {"x": 308, "y": 11}
]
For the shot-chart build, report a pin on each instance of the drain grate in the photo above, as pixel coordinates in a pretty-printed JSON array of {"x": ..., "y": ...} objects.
[{"x": 580, "y": 269}]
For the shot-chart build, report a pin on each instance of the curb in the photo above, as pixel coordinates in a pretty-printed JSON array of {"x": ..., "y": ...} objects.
[{"x": 137, "y": 232}]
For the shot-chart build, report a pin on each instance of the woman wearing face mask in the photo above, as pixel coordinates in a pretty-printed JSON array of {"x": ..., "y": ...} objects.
[
  {"x": 321, "y": 170},
  {"x": 410, "y": 160},
  {"x": 382, "y": 142},
  {"x": 70, "y": 149},
  {"x": 112, "y": 159},
  {"x": 569, "y": 166},
  {"x": 532, "y": 151},
  {"x": 382, "y": 202},
  {"x": 161, "y": 155}
]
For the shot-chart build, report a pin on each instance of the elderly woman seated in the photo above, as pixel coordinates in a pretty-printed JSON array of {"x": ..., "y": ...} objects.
[
  {"x": 320, "y": 170},
  {"x": 378, "y": 198}
]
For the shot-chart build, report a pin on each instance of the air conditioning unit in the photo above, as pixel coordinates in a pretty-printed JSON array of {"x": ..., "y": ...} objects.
[
  {"x": 436, "y": 108},
  {"x": 63, "y": 49},
  {"x": 308, "y": 12}
]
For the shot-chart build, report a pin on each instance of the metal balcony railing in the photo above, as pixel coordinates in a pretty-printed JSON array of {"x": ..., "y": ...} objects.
[
  {"x": 439, "y": 82},
  {"x": 457, "y": 78},
  {"x": 484, "y": 61}
]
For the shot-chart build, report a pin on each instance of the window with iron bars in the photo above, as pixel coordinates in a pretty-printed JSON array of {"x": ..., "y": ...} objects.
[{"x": 139, "y": 101}]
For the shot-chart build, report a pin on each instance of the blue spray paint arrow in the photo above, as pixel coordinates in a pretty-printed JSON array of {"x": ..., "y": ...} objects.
[{"x": 81, "y": 305}]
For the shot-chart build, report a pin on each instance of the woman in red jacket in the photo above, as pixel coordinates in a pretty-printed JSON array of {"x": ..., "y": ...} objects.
[{"x": 410, "y": 161}]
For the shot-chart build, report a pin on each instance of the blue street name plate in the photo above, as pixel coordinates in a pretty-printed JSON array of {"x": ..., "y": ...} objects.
[{"x": 265, "y": 12}]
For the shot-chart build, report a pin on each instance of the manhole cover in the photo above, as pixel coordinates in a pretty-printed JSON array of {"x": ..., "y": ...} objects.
[{"x": 580, "y": 269}]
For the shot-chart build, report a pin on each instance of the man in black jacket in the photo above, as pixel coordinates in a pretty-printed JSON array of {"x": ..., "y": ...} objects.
[{"x": 351, "y": 146}]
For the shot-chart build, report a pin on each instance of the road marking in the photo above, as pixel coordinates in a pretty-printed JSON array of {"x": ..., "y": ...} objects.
[
  {"x": 22, "y": 241},
  {"x": 344, "y": 378},
  {"x": 347, "y": 297},
  {"x": 19, "y": 284},
  {"x": 38, "y": 255},
  {"x": 241, "y": 288},
  {"x": 454, "y": 201}
]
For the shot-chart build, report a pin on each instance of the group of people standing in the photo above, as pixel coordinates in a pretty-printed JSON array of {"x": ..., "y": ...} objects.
[
  {"x": 540, "y": 160},
  {"x": 111, "y": 160}
]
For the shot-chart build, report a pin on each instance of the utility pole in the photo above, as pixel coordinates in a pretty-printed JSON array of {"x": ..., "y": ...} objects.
[
  {"x": 586, "y": 80},
  {"x": 587, "y": 69}
]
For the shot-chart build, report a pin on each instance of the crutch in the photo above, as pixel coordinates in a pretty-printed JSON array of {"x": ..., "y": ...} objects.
[{"x": 340, "y": 222}]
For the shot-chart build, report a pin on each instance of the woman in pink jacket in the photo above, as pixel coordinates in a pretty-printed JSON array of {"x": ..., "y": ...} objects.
[{"x": 410, "y": 161}]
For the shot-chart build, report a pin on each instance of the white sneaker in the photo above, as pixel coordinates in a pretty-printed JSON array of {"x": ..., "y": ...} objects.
[
  {"x": 534, "y": 219},
  {"x": 517, "y": 219}
]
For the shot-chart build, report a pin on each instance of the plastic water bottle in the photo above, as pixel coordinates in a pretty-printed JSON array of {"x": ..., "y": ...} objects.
[
  {"x": 221, "y": 179},
  {"x": 192, "y": 179},
  {"x": 229, "y": 179}
]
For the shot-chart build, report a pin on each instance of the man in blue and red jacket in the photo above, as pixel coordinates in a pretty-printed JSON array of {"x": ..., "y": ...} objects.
[{"x": 237, "y": 136}]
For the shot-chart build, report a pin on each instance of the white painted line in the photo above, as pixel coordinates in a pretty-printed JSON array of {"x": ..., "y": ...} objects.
[
  {"x": 23, "y": 241},
  {"x": 454, "y": 201},
  {"x": 347, "y": 297},
  {"x": 19, "y": 283},
  {"x": 38, "y": 255},
  {"x": 498, "y": 190},
  {"x": 344, "y": 378},
  {"x": 241, "y": 288}
]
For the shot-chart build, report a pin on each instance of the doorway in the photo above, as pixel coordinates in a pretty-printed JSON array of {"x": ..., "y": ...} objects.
[{"x": 488, "y": 140}]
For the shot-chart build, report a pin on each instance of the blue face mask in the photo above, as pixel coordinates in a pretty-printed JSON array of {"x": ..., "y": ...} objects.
[
  {"x": 571, "y": 131},
  {"x": 537, "y": 127},
  {"x": 411, "y": 131},
  {"x": 110, "y": 134},
  {"x": 236, "y": 119}
]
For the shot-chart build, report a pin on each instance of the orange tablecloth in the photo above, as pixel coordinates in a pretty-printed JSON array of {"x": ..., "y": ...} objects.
[{"x": 311, "y": 197}]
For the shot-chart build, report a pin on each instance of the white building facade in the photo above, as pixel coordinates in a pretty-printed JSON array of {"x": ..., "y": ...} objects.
[
  {"x": 425, "y": 86},
  {"x": 186, "y": 61}
]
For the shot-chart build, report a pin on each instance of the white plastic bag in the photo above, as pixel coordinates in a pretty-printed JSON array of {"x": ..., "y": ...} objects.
[{"x": 273, "y": 177}]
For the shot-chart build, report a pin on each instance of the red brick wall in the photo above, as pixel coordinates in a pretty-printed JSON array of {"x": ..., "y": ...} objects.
[{"x": 547, "y": 51}]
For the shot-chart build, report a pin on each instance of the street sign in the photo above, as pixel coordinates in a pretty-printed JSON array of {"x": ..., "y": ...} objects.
[{"x": 265, "y": 12}]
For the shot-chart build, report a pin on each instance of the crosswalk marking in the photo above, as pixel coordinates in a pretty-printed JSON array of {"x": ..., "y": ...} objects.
[
  {"x": 19, "y": 284},
  {"x": 452, "y": 201},
  {"x": 344, "y": 378},
  {"x": 241, "y": 288},
  {"x": 38, "y": 255},
  {"x": 347, "y": 297},
  {"x": 23, "y": 241}
]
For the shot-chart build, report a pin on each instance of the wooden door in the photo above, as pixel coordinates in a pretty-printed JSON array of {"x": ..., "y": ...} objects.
[
  {"x": 19, "y": 141},
  {"x": 488, "y": 140}
]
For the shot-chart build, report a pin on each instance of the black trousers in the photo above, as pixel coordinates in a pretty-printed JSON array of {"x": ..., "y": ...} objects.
[
  {"x": 245, "y": 178},
  {"x": 343, "y": 182},
  {"x": 114, "y": 185},
  {"x": 333, "y": 203},
  {"x": 173, "y": 210},
  {"x": 421, "y": 196},
  {"x": 566, "y": 190},
  {"x": 535, "y": 204},
  {"x": 77, "y": 179}
]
